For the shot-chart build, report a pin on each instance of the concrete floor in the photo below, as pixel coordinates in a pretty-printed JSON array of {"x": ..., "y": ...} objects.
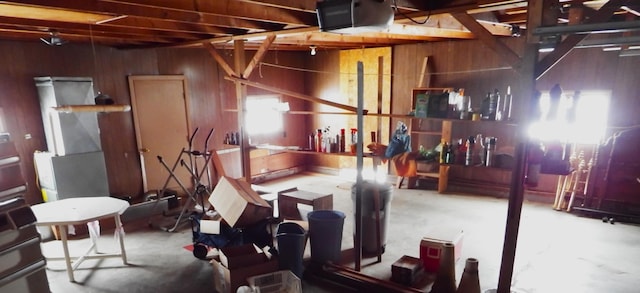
[{"x": 557, "y": 251}]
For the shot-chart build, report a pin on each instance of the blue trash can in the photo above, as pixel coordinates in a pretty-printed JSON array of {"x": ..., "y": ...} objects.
[
  {"x": 292, "y": 240},
  {"x": 325, "y": 233}
]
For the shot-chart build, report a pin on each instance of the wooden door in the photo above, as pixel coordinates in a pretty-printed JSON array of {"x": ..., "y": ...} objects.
[{"x": 160, "y": 112}]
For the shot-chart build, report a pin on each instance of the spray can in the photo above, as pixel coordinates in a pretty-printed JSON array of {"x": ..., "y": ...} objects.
[{"x": 471, "y": 141}]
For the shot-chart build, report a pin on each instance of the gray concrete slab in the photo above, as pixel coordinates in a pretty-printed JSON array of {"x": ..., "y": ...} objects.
[{"x": 556, "y": 252}]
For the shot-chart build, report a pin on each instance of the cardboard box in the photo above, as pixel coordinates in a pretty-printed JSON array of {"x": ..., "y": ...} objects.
[
  {"x": 234, "y": 257},
  {"x": 228, "y": 281},
  {"x": 406, "y": 270},
  {"x": 431, "y": 246},
  {"x": 238, "y": 204}
]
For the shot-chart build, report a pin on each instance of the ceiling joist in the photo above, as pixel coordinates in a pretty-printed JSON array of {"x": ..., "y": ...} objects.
[{"x": 190, "y": 23}]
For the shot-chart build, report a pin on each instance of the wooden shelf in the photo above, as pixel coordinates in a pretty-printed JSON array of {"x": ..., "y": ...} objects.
[
  {"x": 345, "y": 154},
  {"x": 508, "y": 123},
  {"x": 427, "y": 132},
  {"x": 428, "y": 174}
]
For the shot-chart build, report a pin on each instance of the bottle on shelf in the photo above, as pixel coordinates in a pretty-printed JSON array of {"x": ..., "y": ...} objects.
[
  {"x": 312, "y": 142},
  {"x": 485, "y": 107},
  {"x": 461, "y": 150},
  {"x": 450, "y": 155},
  {"x": 443, "y": 152},
  {"x": 464, "y": 107},
  {"x": 506, "y": 106},
  {"x": 491, "y": 149},
  {"x": 342, "y": 138},
  {"x": 496, "y": 105},
  {"x": 319, "y": 140},
  {"x": 471, "y": 141},
  {"x": 354, "y": 140},
  {"x": 481, "y": 150}
]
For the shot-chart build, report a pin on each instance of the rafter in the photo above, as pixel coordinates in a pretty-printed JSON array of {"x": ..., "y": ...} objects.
[
  {"x": 603, "y": 14},
  {"x": 258, "y": 55},
  {"x": 488, "y": 39},
  {"x": 301, "y": 5},
  {"x": 219, "y": 59},
  {"x": 230, "y": 8}
]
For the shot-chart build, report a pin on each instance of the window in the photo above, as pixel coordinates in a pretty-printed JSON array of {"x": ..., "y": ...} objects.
[
  {"x": 264, "y": 114},
  {"x": 578, "y": 117},
  {"x": 2, "y": 127}
]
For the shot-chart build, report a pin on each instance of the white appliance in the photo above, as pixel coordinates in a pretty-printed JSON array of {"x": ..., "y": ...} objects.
[
  {"x": 68, "y": 133},
  {"x": 76, "y": 175}
]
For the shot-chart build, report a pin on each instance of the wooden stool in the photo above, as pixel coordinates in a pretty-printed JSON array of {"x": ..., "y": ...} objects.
[{"x": 288, "y": 201}]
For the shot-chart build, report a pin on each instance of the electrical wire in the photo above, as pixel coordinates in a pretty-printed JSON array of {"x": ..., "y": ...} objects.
[
  {"x": 395, "y": 6},
  {"x": 430, "y": 73}
]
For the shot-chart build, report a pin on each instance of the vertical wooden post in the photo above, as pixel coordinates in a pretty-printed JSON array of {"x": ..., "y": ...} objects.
[
  {"x": 359, "y": 162},
  {"x": 516, "y": 191},
  {"x": 376, "y": 192},
  {"x": 239, "y": 61}
]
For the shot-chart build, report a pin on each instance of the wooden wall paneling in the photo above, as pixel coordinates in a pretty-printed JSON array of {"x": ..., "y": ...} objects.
[
  {"x": 285, "y": 78},
  {"x": 203, "y": 80},
  {"x": 30, "y": 59},
  {"x": 625, "y": 98},
  {"x": 275, "y": 162},
  {"x": 348, "y": 88},
  {"x": 117, "y": 132},
  {"x": 323, "y": 81}
]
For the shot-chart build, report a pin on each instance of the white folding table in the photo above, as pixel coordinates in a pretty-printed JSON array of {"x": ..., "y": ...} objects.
[{"x": 81, "y": 210}]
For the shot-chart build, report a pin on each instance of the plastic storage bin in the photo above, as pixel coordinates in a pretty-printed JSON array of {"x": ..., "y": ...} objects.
[{"x": 277, "y": 282}]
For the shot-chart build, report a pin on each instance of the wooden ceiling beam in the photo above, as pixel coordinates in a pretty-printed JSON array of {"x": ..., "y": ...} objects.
[
  {"x": 470, "y": 8},
  {"x": 300, "y": 5},
  {"x": 18, "y": 34},
  {"x": 252, "y": 37},
  {"x": 116, "y": 8},
  {"x": 513, "y": 18},
  {"x": 292, "y": 94},
  {"x": 257, "y": 57},
  {"x": 173, "y": 26},
  {"x": 488, "y": 39},
  {"x": 363, "y": 38},
  {"x": 219, "y": 59},
  {"x": 44, "y": 26},
  {"x": 563, "y": 48},
  {"x": 421, "y": 5},
  {"x": 230, "y": 8}
]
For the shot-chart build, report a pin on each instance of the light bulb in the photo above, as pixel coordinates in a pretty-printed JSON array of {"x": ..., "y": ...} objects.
[{"x": 313, "y": 50}]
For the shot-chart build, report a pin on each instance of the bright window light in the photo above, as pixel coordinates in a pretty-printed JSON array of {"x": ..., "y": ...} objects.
[
  {"x": 380, "y": 176},
  {"x": 580, "y": 118},
  {"x": 2, "y": 127},
  {"x": 264, "y": 114}
]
